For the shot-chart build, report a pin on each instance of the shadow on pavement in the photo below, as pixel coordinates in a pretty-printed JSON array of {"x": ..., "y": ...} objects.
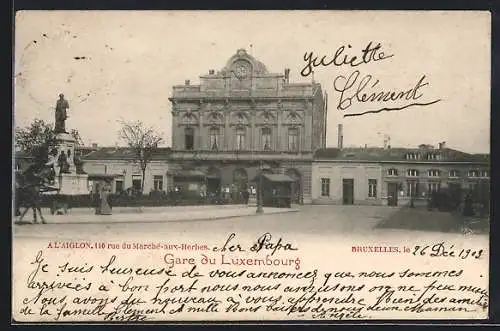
[{"x": 421, "y": 219}]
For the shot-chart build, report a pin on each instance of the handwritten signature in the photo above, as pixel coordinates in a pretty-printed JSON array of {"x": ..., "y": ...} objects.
[{"x": 358, "y": 88}]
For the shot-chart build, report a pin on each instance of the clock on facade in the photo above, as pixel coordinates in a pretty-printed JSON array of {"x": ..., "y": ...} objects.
[{"x": 241, "y": 70}]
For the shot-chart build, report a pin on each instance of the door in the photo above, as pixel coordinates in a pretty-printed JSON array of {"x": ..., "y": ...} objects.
[
  {"x": 392, "y": 194},
  {"x": 348, "y": 191}
]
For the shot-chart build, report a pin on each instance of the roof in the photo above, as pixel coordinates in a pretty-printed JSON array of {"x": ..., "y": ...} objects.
[
  {"x": 378, "y": 154},
  {"x": 124, "y": 153}
]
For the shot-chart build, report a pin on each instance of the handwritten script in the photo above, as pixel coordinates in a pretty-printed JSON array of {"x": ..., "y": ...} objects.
[
  {"x": 237, "y": 281},
  {"x": 360, "y": 88}
]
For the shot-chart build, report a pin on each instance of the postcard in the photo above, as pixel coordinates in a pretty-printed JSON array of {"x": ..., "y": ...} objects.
[{"x": 250, "y": 166}]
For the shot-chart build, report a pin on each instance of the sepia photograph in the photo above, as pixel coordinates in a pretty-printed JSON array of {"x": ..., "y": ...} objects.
[{"x": 250, "y": 165}]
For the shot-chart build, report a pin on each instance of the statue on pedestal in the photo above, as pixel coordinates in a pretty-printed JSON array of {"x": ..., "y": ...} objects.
[{"x": 61, "y": 115}]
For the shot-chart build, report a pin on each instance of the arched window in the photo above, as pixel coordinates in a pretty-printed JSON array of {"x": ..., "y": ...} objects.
[
  {"x": 214, "y": 138},
  {"x": 293, "y": 139},
  {"x": 189, "y": 138},
  {"x": 266, "y": 139}
]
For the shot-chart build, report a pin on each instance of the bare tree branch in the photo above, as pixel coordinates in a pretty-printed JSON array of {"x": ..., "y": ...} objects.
[{"x": 143, "y": 141}]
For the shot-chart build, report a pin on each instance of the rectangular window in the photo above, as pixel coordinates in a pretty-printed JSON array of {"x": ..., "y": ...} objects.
[
  {"x": 412, "y": 189},
  {"x": 412, "y": 172},
  {"x": 118, "y": 185},
  {"x": 158, "y": 183},
  {"x": 473, "y": 173},
  {"x": 266, "y": 139},
  {"x": 293, "y": 140},
  {"x": 214, "y": 138},
  {"x": 433, "y": 187},
  {"x": 454, "y": 173},
  {"x": 325, "y": 187},
  {"x": 189, "y": 138},
  {"x": 372, "y": 188},
  {"x": 485, "y": 174},
  {"x": 137, "y": 181},
  {"x": 240, "y": 139},
  {"x": 433, "y": 173},
  {"x": 392, "y": 172}
]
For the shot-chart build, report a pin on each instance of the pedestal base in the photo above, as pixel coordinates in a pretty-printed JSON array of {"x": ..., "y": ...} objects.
[{"x": 73, "y": 184}]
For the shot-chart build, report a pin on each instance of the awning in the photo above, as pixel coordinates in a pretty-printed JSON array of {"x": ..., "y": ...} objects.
[
  {"x": 276, "y": 178},
  {"x": 186, "y": 173}
]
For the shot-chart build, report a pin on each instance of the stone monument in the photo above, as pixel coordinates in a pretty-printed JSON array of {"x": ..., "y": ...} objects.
[{"x": 62, "y": 155}]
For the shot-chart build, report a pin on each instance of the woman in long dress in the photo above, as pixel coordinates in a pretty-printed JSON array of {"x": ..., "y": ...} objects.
[{"x": 105, "y": 207}]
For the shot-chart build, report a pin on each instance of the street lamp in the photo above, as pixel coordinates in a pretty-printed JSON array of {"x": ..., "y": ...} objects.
[{"x": 259, "y": 191}]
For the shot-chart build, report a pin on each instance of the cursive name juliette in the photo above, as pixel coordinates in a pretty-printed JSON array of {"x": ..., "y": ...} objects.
[
  {"x": 265, "y": 242},
  {"x": 360, "y": 89}
]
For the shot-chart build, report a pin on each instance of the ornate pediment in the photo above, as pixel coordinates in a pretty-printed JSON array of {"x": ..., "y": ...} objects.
[
  {"x": 215, "y": 117},
  {"x": 243, "y": 65},
  {"x": 240, "y": 117},
  {"x": 188, "y": 117},
  {"x": 293, "y": 116}
]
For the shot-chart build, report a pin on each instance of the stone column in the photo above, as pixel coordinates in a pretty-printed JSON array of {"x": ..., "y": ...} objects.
[
  {"x": 253, "y": 134},
  {"x": 279, "y": 120},
  {"x": 201, "y": 135},
  {"x": 227, "y": 133}
]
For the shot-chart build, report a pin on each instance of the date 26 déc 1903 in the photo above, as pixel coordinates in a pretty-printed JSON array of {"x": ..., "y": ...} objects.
[{"x": 443, "y": 250}]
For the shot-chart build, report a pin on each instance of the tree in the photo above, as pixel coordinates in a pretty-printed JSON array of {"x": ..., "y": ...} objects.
[
  {"x": 39, "y": 133},
  {"x": 143, "y": 141},
  {"x": 36, "y": 139}
]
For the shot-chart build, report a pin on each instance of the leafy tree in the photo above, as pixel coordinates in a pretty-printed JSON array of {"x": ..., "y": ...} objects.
[
  {"x": 36, "y": 139},
  {"x": 143, "y": 141}
]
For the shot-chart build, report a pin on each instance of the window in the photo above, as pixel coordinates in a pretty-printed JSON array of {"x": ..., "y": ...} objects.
[
  {"x": 392, "y": 172},
  {"x": 433, "y": 187},
  {"x": 293, "y": 139},
  {"x": 137, "y": 181},
  {"x": 158, "y": 183},
  {"x": 266, "y": 139},
  {"x": 412, "y": 189},
  {"x": 485, "y": 173},
  {"x": 413, "y": 156},
  {"x": 454, "y": 173},
  {"x": 325, "y": 187},
  {"x": 432, "y": 156},
  {"x": 189, "y": 138},
  {"x": 433, "y": 173},
  {"x": 473, "y": 173},
  {"x": 240, "y": 139},
  {"x": 118, "y": 185},
  {"x": 214, "y": 138},
  {"x": 412, "y": 172},
  {"x": 372, "y": 188}
]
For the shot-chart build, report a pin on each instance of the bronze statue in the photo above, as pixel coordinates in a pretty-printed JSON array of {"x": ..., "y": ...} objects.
[{"x": 61, "y": 115}]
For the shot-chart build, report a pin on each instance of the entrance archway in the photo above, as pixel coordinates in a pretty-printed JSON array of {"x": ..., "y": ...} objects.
[
  {"x": 240, "y": 182},
  {"x": 296, "y": 184},
  {"x": 213, "y": 178}
]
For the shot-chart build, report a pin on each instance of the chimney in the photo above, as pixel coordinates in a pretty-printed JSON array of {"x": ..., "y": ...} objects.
[
  {"x": 341, "y": 136},
  {"x": 187, "y": 82},
  {"x": 442, "y": 145},
  {"x": 211, "y": 71},
  {"x": 287, "y": 75},
  {"x": 94, "y": 145}
]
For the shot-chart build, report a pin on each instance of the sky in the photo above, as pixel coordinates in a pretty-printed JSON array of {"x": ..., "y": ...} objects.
[{"x": 121, "y": 65}]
